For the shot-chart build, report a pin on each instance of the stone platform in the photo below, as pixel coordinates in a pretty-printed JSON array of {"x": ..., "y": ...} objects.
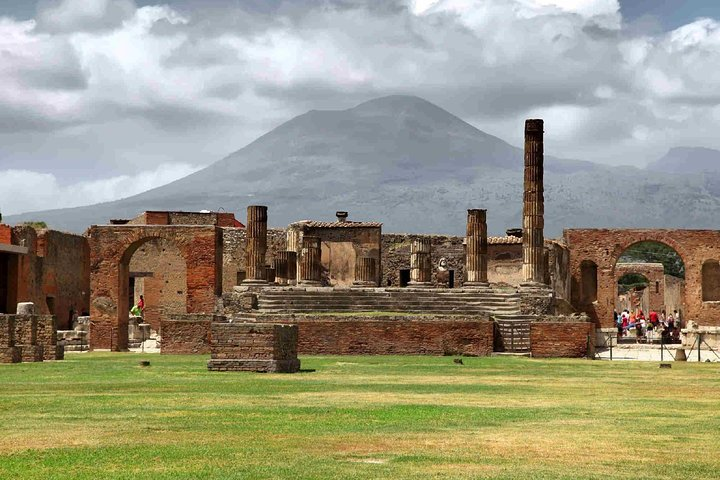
[{"x": 253, "y": 347}]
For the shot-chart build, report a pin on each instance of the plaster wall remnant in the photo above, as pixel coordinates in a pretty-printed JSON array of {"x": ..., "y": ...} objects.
[
  {"x": 477, "y": 249},
  {"x": 255, "y": 272},
  {"x": 421, "y": 262},
  {"x": 309, "y": 261},
  {"x": 533, "y": 204}
]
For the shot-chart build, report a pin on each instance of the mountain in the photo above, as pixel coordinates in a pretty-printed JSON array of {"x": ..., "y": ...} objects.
[
  {"x": 688, "y": 160},
  {"x": 417, "y": 168}
]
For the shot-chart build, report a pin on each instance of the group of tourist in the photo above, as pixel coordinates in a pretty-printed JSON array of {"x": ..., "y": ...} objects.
[{"x": 667, "y": 326}]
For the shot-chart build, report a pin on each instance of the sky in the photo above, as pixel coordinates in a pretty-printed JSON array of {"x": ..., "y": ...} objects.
[{"x": 102, "y": 99}]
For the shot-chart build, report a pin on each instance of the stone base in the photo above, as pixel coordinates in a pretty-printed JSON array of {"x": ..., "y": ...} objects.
[
  {"x": 309, "y": 283},
  {"x": 251, "y": 365},
  {"x": 420, "y": 285},
  {"x": 11, "y": 355},
  {"x": 251, "y": 283},
  {"x": 477, "y": 285},
  {"x": 31, "y": 353},
  {"x": 605, "y": 337},
  {"x": 359, "y": 284}
]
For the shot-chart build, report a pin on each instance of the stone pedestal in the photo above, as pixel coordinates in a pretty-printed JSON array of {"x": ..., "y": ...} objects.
[
  {"x": 533, "y": 205},
  {"x": 477, "y": 248},
  {"x": 309, "y": 267},
  {"x": 292, "y": 267},
  {"x": 365, "y": 272},
  {"x": 420, "y": 263},
  {"x": 256, "y": 229},
  {"x": 25, "y": 308},
  {"x": 9, "y": 353},
  {"x": 253, "y": 347}
]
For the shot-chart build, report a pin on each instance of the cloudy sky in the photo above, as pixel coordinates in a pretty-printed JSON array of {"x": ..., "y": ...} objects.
[{"x": 101, "y": 99}]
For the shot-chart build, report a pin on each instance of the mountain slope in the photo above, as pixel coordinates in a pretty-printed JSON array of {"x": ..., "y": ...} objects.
[
  {"x": 688, "y": 160},
  {"x": 412, "y": 165}
]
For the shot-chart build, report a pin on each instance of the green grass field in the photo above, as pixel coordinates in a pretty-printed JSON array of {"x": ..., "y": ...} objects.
[{"x": 101, "y": 415}]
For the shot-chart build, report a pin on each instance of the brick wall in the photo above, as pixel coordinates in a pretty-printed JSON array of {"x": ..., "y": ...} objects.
[
  {"x": 9, "y": 353},
  {"x": 357, "y": 335},
  {"x": 5, "y": 234},
  {"x": 47, "y": 338},
  {"x": 26, "y": 337},
  {"x": 186, "y": 334},
  {"x": 254, "y": 347},
  {"x": 560, "y": 339},
  {"x": 233, "y": 252}
]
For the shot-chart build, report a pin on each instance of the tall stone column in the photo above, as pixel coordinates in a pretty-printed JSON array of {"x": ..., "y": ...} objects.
[
  {"x": 309, "y": 263},
  {"x": 365, "y": 272},
  {"x": 256, "y": 245},
  {"x": 533, "y": 204},
  {"x": 420, "y": 263},
  {"x": 280, "y": 264},
  {"x": 477, "y": 248}
]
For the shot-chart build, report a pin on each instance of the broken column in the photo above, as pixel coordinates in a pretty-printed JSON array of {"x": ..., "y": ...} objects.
[
  {"x": 365, "y": 272},
  {"x": 477, "y": 247},
  {"x": 309, "y": 262},
  {"x": 255, "y": 272},
  {"x": 292, "y": 267},
  {"x": 280, "y": 264},
  {"x": 420, "y": 263},
  {"x": 533, "y": 204}
]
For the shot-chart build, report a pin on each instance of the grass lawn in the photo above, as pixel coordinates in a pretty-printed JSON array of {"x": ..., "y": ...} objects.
[{"x": 100, "y": 415}]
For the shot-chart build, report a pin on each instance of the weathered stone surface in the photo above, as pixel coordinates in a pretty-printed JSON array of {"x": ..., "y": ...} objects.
[
  {"x": 255, "y": 272},
  {"x": 562, "y": 339},
  {"x": 26, "y": 308},
  {"x": 477, "y": 249},
  {"x": 309, "y": 267},
  {"x": 187, "y": 334},
  {"x": 533, "y": 203},
  {"x": 365, "y": 272},
  {"x": 258, "y": 347},
  {"x": 421, "y": 262}
]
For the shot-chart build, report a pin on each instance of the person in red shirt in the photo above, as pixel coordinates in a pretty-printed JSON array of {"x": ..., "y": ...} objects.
[
  {"x": 141, "y": 306},
  {"x": 653, "y": 317}
]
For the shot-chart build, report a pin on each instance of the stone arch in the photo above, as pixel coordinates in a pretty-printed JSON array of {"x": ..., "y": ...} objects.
[
  {"x": 710, "y": 281},
  {"x": 112, "y": 247}
]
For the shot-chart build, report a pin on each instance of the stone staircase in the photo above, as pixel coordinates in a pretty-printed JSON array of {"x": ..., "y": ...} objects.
[{"x": 424, "y": 301}]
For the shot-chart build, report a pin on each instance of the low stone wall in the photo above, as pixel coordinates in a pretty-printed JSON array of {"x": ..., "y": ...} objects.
[
  {"x": 9, "y": 353},
  {"x": 257, "y": 347},
  {"x": 391, "y": 335},
  {"x": 561, "y": 338},
  {"x": 29, "y": 338},
  {"x": 187, "y": 334},
  {"x": 47, "y": 337}
]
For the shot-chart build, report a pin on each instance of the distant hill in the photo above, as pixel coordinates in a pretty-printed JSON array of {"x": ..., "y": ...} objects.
[
  {"x": 414, "y": 166},
  {"x": 688, "y": 160}
]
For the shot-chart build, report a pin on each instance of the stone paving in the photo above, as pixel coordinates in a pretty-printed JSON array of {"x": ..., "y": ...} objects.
[{"x": 652, "y": 353}]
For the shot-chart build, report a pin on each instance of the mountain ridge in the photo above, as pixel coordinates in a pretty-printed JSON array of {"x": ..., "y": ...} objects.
[{"x": 416, "y": 167}]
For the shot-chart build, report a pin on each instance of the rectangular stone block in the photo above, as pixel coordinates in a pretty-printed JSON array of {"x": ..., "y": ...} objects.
[
  {"x": 31, "y": 353},
  {"x": 10, "y": 355},
  {"x": 258, "y": 347}
]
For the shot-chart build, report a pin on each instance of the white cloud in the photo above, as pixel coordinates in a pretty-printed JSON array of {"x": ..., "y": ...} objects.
[
  {"x": 81, "y": 15},
  {"x": 26, "y": 191}
]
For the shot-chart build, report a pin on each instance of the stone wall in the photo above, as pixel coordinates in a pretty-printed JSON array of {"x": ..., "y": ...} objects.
[
  {"x": 557, "y": 338},
  {"x": 54, "y": 274},
  {"x": 47, "y": 338},
  {"x": 401, "y": 335},
  {"x": 112, "y": 247},
  {"x": 603, "y": 248},
  {"x": 233, "y": 252},
  {"x": 258, "y": 347},
  {"x": 448, "y": 249},
  {"x": 9, "y": 353},
  {"x": 186, "y": 334},
  {"x": 160, "y": 274}
]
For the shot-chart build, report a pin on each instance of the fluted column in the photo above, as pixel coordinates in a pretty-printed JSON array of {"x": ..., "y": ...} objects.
[
  {"x": 477, "y": 247},
  {"x": 533, "y": 204},
  {"x": 309, "y": 262},
  {"x": 256, "y": 245},
  {"x": 365, "y": 272},
  {"x": 291, "y": 267},
  {"x": 420, "y": 263},
  {"x": 280, "y": 264}
]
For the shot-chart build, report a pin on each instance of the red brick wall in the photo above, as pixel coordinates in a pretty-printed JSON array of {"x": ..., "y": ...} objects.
[
  {"x": 185, "y": 334},
  {"x": 605, "y": 246},
  {"x": 560, "y": 339},
  {"x": 393, "y": 336},
  {"x": 111, "y": 248},
  {"x": 5, "y": 234}
]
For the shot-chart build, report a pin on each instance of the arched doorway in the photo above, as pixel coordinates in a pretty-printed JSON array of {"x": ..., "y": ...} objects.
[
  {"x": 158, "y": 272},
  {"x": 112, "y": 248}
]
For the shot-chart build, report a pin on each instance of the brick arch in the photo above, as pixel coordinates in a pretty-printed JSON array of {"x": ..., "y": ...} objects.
[
  {"x": 112, "y": 247},
  {"x": 605, "y": 246}
]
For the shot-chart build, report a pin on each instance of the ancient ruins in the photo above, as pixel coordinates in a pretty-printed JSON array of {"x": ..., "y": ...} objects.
[{"x": 255, "y": 297}]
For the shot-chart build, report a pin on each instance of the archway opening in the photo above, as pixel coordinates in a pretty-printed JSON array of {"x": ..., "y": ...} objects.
[
  {"x": 649, "y": 303},
  {"x": 155, "y": 269}
]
